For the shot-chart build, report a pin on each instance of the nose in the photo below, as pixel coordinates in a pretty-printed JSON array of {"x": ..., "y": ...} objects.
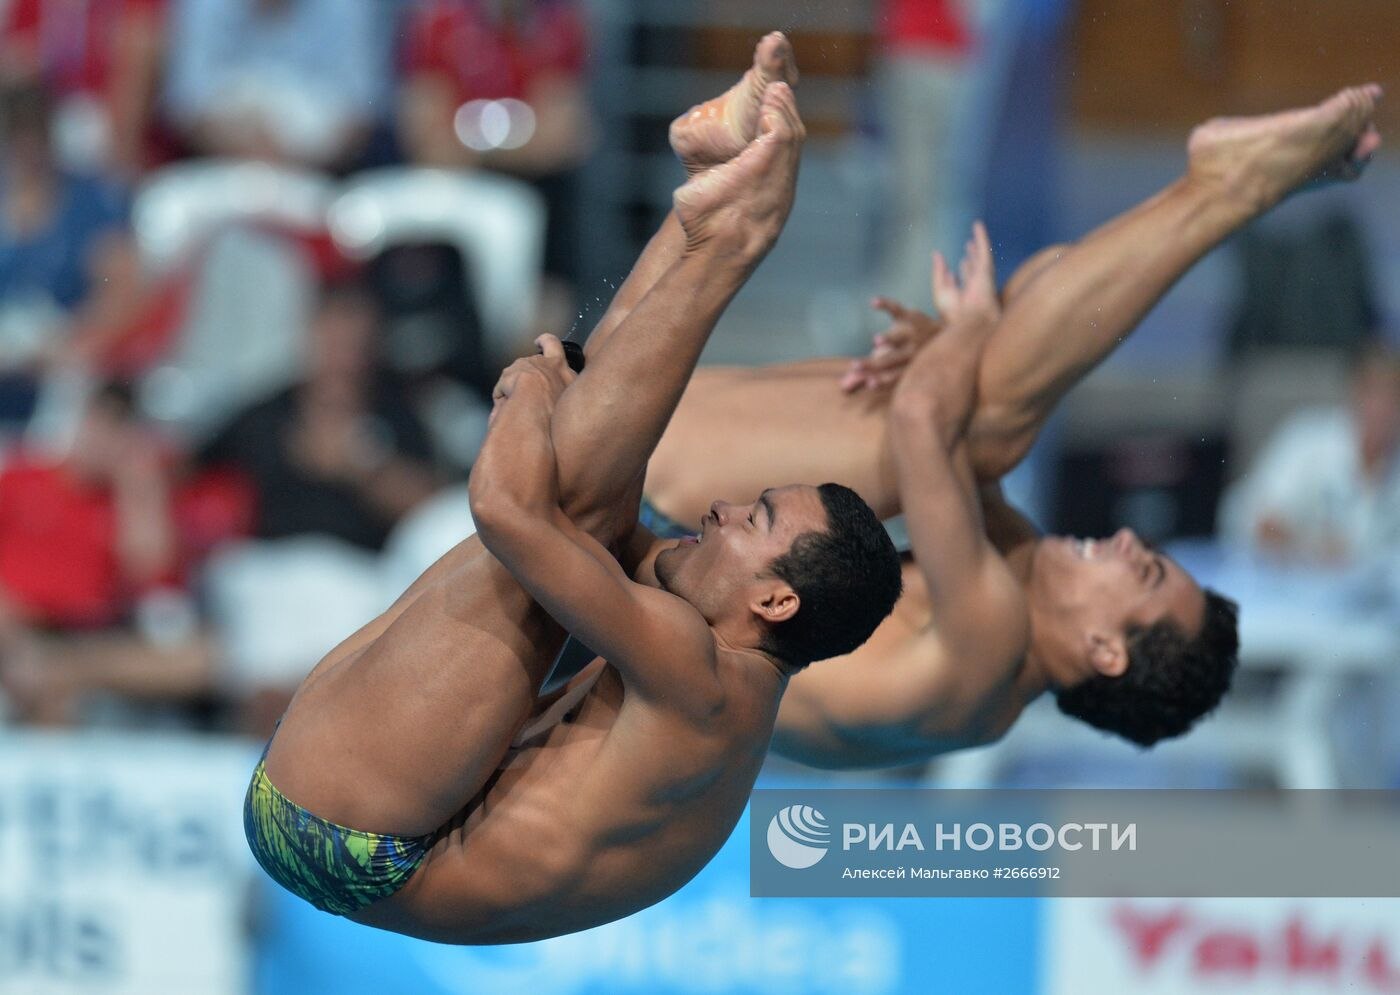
[
  {"x": 1125, "y": 541},
  {"x": 719, "y": 511}
]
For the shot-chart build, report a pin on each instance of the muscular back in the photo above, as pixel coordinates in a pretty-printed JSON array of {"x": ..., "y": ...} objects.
[{"x": 737, "y": 430}]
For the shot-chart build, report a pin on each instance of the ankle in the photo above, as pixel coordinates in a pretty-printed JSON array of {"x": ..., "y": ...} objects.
[{"x": 1229, "y": 199}]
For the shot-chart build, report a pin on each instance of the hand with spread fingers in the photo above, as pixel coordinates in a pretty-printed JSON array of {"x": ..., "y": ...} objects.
[{"x": 892, "y": 349}]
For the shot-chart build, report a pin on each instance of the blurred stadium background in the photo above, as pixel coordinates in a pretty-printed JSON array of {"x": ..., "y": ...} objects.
[{"x": 261, "y": 260}]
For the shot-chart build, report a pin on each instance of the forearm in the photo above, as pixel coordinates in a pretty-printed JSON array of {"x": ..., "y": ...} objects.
[
  {"x": 515, "y": 475},
  {"x": 938, "y": 495},
  {"x": 424, "y": 124}
]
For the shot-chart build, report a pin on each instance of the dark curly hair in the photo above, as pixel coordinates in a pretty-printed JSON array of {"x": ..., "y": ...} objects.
[
  {"x": 1172, "y": 680},
  {"x": 848, "y": 579}
]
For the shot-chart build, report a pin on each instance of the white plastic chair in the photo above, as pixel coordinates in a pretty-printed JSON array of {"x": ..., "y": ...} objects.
[
  {"x": 495, "y": 222},
  {"x": 181, "y": 207},
  {"x": 243, "y": 336}
]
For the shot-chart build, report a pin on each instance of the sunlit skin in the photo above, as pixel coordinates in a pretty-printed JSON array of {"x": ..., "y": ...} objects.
[
  {"x": 735, "y": 544},
  {"x": 414, "y": 724},
  {"x": 1100, "y": 588},
  {"x": 905, "y": 695}
]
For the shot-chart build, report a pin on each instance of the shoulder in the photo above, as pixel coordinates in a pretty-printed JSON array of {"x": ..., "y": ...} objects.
[
  {"x": 684, "y": 628},
  {"x": 969, "y": 692},
  {"x": 972, "y": 666}
]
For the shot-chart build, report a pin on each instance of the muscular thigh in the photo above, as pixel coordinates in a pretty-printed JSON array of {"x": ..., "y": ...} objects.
[
  {"x": 405, "y": 720},
  {"x": 812, "y": 433}
]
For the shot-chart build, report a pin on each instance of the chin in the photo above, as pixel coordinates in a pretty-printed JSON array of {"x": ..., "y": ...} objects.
[
  {"x": 1056, "y": 561},
  {"x": 668, "y": 564}
]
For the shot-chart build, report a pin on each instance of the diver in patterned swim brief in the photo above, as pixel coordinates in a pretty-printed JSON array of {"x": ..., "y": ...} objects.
[
  {"x": 341, "y": 870},
  {"x": 335, "y": 868}
]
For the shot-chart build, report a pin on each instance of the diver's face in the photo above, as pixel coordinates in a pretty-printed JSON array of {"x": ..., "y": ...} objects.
[
  {"x": 1110, "y": 588},
  {"x": 727, "y": 562}
]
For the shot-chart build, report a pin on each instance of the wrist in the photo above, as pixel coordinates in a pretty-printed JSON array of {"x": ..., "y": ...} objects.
[
  {"x": 732, "y": 255},
  {"x": 923, "y": 417}
]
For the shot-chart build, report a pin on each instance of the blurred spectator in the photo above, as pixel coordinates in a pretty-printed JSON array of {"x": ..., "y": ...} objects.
[
  {"x": 342, "y": 453},
  {"x": 80, "y": 536},
  {"x": 1327, "y": 486},
  {"x": 285, "y": 80},
  {"x": 87, "y": 542},
  {"x": 101, "y": 60},
  {"x": 70, "y": 276},
  {"x": 499, "y": 85}
]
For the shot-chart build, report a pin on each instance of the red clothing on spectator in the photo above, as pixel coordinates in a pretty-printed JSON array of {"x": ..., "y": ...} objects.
[
  {"x": 488, "y": 59},
  {"x": 70, "y": 40},
  {"x": 925, "y": 25},
  {"x": 58, "y": 560},
  {"x": 58, "y": 539}
]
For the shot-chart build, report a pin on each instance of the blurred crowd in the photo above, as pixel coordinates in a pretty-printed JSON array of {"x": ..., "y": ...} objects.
[{"x": 260, "y": 262}]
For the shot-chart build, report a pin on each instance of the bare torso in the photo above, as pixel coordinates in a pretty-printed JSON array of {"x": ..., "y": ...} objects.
[
  {"x": 607, "y": 807},
  {"x": 606, "y": 811},
  {"x": 897, "y": 699}
]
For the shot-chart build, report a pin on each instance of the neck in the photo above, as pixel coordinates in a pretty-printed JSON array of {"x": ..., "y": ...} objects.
[
  {"x": 1041, "y": 672},
  {"x": 753, "y": 657},
  {"x": 1034, "y": 678},
  {"x": 1020, "y": 559}
]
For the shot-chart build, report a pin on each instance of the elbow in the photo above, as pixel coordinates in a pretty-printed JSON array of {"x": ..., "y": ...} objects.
[{"x": 493, "y": 507}]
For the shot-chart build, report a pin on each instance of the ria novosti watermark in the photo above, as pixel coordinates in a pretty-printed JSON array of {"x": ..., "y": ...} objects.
[{"x": 835, "y": 842}]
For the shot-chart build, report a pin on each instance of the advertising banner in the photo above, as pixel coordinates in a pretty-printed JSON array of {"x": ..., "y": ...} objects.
[{"x": 123, "y": 869}]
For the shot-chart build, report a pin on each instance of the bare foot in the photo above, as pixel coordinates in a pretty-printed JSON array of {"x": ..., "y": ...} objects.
[
  {"x": 1266, "y": 158},
  {"x": 719, "y": 129},
  {"x": 741, "y": 205}
]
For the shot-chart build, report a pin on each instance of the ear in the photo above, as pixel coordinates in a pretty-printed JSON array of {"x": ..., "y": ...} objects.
[
  {"x": 1108, "y": 654},
  {"x": 777, "y": 604}
]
